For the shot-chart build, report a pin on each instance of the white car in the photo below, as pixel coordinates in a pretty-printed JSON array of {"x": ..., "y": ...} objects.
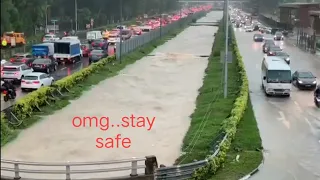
[
  {"x": 15, "y": 71},
  {"x": 35, "y": 80},
  {"x": 50, "y": 38},
  {"x": 248, "y": 29}
]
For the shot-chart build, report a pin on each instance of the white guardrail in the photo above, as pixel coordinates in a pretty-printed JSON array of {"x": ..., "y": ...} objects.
[{"x": 102, "y": 169}]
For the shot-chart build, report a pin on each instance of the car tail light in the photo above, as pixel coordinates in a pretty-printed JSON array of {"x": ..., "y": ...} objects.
[
  {"x": 30, "y": 64},
  {"x": 36, "y": 82},
  {"x": 43, "y": 66},
  {"x": 101, "y": 44},
  {"x": 12, "y": 59},
  {"x": 2, "y": 73},
  {"x": 92, "y": 44},
  {"x": 23, "y": 81},
  {"x": 4, "y": 92},
  {"x": 16, "y": 73},
  {"x": 24, "y": 60}
]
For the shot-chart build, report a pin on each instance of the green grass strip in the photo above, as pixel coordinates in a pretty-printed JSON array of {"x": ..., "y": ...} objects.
[
  {"x": 247, "y": 145},
  {"x": 211, "y": 106}
]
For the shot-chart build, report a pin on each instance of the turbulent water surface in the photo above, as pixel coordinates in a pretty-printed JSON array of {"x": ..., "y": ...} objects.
[{"x": 161, "y": 90}]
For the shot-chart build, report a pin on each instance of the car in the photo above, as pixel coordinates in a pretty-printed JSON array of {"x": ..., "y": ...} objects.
[
  {"x": 285, "y": 56},
  {"x": 136, "y": 30},
  {"x": 266, "y": 45},
  {"x": 272, "y": 50},
  {"x": 22, "y": 58},
  {"x": 258, "y": 38},
  {"x": 97, "y": 54},
  {"x": 44, "y": 65},
  {"x": 15, "y": 71},
  {"x": 126, "y": 34},
  {"x": 50, "y": 38},
  {"x": 85, "y": 50},
  {"x": 304, "y": 80},
  {"x": 99, "y": 43},
  {"x": 36, "y": 80},
  {"x": 278, "y": 36},
  {"x": 248, "y": 29},
  {"x": 121, "y": 27}
]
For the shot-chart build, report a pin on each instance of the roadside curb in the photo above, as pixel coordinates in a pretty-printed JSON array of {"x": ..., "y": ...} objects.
[{"x": 255, "y": 171}]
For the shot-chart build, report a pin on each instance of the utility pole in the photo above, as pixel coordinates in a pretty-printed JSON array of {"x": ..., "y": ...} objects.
[
  {"x": 226, "y": 17},
  {"x": 120, "y": 48},
  {"x": 160, "y": 19},
  {"x": 76, "y": 14}
]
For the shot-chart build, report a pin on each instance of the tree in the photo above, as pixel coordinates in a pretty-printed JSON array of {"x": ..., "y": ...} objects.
[{"x": 26, "y": 15}]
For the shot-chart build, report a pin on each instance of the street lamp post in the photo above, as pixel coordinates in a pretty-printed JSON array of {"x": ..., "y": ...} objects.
[
  {"x": 46, "y": 27},
  {"x": 76, "y": 14},
  {"x": 226, "y": 48},
  {"x": 120, "y": 48}
]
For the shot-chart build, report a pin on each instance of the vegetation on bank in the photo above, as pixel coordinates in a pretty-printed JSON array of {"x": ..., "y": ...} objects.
[
  {"x": 247, "y": 146},
  {"x": 26, "y": 15},
  {"x": 47, "y": 100},
  {"x": 239, "y": 137},
  {"x": 211, "y": 106}
]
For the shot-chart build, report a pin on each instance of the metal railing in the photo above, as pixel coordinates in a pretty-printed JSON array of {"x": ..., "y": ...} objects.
[
  {"x": 34, "y": 170},
  {"x": 134, "y": 43},
  {"x": 185, "y": 171}
]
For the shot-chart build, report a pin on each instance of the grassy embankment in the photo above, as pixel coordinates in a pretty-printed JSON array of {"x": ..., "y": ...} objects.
[
  {"x": 93, "y": 79},
  {"x": 247, "y": 144},
  {"x": 211, "y": 110},
  {"x": 211, "y": 106}
]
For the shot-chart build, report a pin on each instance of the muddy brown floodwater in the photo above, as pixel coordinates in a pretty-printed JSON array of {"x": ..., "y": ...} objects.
[{"x": 160, "y": 89}]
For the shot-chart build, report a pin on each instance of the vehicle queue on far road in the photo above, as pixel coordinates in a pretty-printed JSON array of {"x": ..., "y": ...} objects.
[{"x": 277, "y": 76}]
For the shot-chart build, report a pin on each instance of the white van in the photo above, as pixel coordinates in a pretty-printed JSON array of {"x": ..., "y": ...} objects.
[
  {"x": 93, "y": 35},
  {"x": 276, "y": 76}
]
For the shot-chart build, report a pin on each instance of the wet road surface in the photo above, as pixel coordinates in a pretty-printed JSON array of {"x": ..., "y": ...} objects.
[
  {"x": 289, "y": 127},
  {"x": 164, "y": 86}
]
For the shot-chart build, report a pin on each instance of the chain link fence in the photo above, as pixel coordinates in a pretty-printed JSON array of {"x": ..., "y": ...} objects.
[{"x": 125, "y": 47}]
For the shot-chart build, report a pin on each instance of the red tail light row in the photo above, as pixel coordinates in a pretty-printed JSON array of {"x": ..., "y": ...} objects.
[{"x": 34, "y": 82}]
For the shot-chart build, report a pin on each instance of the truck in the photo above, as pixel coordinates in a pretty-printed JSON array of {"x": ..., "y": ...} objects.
[
  {"x": 43, "y": 50},
  {"x": 67, "y": 51},
  {"x": 13, "y": 39}
]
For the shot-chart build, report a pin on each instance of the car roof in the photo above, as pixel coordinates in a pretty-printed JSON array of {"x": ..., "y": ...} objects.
[
  {"x": 276, "y": 63},
  {"x": 9, "y": 64},
  {"x": 21, "y": 54},
  {"x": 34, "y": 74}
]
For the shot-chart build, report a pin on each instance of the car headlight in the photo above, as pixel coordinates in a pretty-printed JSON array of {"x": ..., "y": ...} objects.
[
  {"x": 255, "y": 37},
  {"x": 299, "y": 81},
  {"x": 314, "y": 82},
  {"x": 287, "y": 59}
]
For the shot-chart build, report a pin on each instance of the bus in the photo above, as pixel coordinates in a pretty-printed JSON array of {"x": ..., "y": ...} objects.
[{"x": 276, "y": 76}]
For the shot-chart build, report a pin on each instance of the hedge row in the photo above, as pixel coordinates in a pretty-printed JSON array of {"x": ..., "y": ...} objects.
[
  {"x": 32, "y": 103},
  {"x": 229, "y": 124}
]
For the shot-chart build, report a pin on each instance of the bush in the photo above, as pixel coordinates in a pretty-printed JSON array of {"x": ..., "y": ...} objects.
[{"x": 229, "y": 124}]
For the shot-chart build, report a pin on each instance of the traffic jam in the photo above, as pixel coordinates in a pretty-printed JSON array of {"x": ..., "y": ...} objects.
[
  {"x": 37, "y": 68},
  {"x": 276, "y": 70}
]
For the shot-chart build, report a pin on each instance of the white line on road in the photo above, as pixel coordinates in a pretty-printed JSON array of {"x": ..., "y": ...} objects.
[
  {"x": 63, "y": 68},
  {"x": 283, "y": 119},
  {"x": 308, "y": 122},
  {"x": 298, "y": 106}
]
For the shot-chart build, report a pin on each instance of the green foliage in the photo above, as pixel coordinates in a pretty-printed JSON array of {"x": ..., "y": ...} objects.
[
  {"x": 26, "y": 15},
  {"x": 211, "y": 106},
  {"x": 229, "y": 124},
  {"x": 31, "y": 107}
]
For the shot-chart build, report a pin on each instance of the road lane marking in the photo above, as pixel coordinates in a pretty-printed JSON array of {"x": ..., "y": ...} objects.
[
  {"x": 63, "y": 68},
  {"x": 283, "y": 119},
  {"x": 298, "y": 106},
  {"x": 308, "y": 122}
]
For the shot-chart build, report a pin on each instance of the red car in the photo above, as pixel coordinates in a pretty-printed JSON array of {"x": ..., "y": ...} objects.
[
  {"x": 136, "y": 30},
  {"x": 85, "y": 50}
]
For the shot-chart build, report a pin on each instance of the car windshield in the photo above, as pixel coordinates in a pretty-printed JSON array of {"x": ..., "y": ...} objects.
[
  {"x": 41, "y": 61},
  {"x": 275, "y": 49},
  {"x": 305, "y": 75},
  {"x": 18, "y": 56},
  {"x": 98, "y": 41},
  {"x": 279, "y": 53},
  {"x": 278, "y": 34},
  {"x": 125, "y": 32},
  {"x": 279, "y": 76},
  {"x": 30, "y": 78},
  {"x": 96, "y": 52},
  {"x": 258, "y": 35},
  {"x": 10, "y": 69},
  {"x": 48, "y": 36},
  {"x": 269, "y": 41}
]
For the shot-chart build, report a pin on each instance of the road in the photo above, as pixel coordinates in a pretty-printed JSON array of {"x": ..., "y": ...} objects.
[
  {"x": 289, "y": 127},
  {"x": 63, "y": 71},
  {"x": 163, "y": 87}
]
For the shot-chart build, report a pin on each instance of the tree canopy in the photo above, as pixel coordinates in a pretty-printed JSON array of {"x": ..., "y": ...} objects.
[{"x": 26, "y": 15}]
